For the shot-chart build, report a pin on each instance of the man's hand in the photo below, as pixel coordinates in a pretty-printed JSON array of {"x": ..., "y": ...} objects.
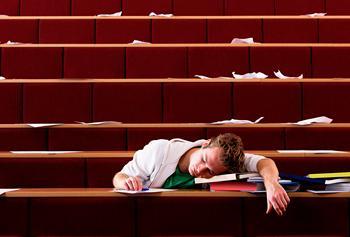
[
  {"x": 277, "y": 198},
  {"x": 133, "y": 183}
]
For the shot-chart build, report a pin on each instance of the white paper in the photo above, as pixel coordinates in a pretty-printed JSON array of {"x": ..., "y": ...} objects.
[
  {"x": 162, "y": 15},
  {"x": 113, "y": 14},
  {"x": 12, "y": 42},
  {"x": 281, "y": 76},
  {"x": 258, "y": 75},
  {"x": 42, "y": 125},
  {"x": 316, "y": 14},
  {"x": 321, "y": 119},
  {"x": 139, "y": 42},
  {"x": 242, "y": 41},
  {"x": 43, "y": 152},
  {"x": 2, "y": 78},
  {"x": 323, "y": 191},
  {"x": 97, "y": 123},
  {"x": 151, "y": 190},
  {"x": 238, "y": 121},
  {"x": 5, "y": 190},
  {"x": 201, "y": 77},
  {"x": 311, "y": 151}
]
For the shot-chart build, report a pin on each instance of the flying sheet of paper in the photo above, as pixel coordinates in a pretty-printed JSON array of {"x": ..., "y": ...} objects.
[
  {"x": 150, "y": 190},
  {"x": 281, "y": 76},
  {"x": 316, "y": 14},
  {"x": 5, "y": 190},
  {"x": 113, "y": 14},
  {"x": 311, "y": 151},
  {"x": 242, "y": 41},
  {"x": 162, "y": 15},
  {"x": 238, "y": 121},
  {"x": 321, "y": 119},
  {"x": 42, "y": 125},
  {"x": 43, "y": 152},
  {"x": 139, "y": 42},
  {"x": 2, "y": 78},
  {"x": 97, "y": 123},
  {"x": 258, "y": 75}
]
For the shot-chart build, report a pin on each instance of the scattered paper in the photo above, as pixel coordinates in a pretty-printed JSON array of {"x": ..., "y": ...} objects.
[
  {"x": 238, "y": 121},
  {"x": 242, "y": 41},
  {"x": 281, "y": 76},
  {"x": 97, "y": 123},
  {"x": 113, "y": 14},
  {"x": 258, "y": 75},
  {"x": 5, "y": 190},
  {"x": 201, "y": 77},
  {"x": 43, "y": 152},
  {"x": 42, "y": 125},
  {"x": 139, "y": 42},
  {"x": 162, "y": 15},
  {"x": 323, "y": 191},
  {"x": 321, "y": 119},
  {"x": 151, "y": 190},
  {"x": 2, "y": 78},
  {"x": 12, "y": 42},
  {"x": 316, "y": 14},
  {"x": 311, "y": 151}
]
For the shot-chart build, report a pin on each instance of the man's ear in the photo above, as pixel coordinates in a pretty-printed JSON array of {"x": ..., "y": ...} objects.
[{"x": 206, "y": 143}]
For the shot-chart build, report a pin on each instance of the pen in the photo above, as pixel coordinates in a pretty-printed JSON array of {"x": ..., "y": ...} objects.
[{"x": 144, "y": 189}]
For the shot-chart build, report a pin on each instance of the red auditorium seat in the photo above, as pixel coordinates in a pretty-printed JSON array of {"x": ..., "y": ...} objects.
[
  {"x": 45, "y": 8},
  {"x": 291, "y": 61},
  {"x": 328, "y": 99},
  {"x": 9, "y": 7},
  {"x": 122, "y": 30},
  {"x": 161, "y": 62},
  {"x": 334, "y": 30},
  {"x": 330, "y": 62},
  {"x": 20, "y": 139},
  {"x": 79, "y": 216},
  {"x": 41, "y": 172},
  {"x": 318, "y": 138},
  {"x": 276, "y": 102},
  {"x": 217, "y": 61},
  {"x": 179, "y": 31},
  {"x": 299, "y": 7},
  {"x": 128, "y": 102},
  {"x": 94, "y": 62},
  {"x": 195, "y": 102},
  {"x": 95, "y": 7},
  {"x": 249, "y": 7},
  {"x": 31, "y": 62},
  {"x": 13, "y": 219},
  {"x": 198, "y": 7},
  {"x": 100, "y": 139},
  {"x": 66, "y": 31},
  {"x": 224, "y": 30},
  {"x": 139, "y": 137},
  {"x": 62, "y": 103},
  {"x": 10, "y": 103},
  {"x": 338, "y": 7},
  {"x": 15, "y": 30},
  {"x": 255, "y": 139},
  {"x": 290, "y": 30},
  {"x": 141, "y": 7}
]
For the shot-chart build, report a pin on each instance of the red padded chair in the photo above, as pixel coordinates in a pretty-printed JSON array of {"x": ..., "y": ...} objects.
[
  {"x": 198, "y": 7},
  {"x": 249, "y": 7},
  {"x": 338, "y": 7},
  {"x": 45, "y": 8},
  {"x": 299, "y": 7},
  {"x": 9, "y": 7},
  {"x": 15, "y": 30},
  {"x": 10, "y": 103},
  {"x": 334, "y": 30},
  {"x": 141, "y": 7},
  {"x": 95, "y": 7},
  {"x": 14, "y": 216},
  {"x": 23, "y": 139}
]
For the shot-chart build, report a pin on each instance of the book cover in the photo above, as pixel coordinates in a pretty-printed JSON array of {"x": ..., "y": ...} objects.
[
  {"x": 233, "y": 186},
  {"x": 329, "y": 175},
  {"x": 225, "y": 177}
]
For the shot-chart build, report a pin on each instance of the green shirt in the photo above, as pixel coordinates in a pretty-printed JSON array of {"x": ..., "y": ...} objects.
[{"x": 179, "y": 180}]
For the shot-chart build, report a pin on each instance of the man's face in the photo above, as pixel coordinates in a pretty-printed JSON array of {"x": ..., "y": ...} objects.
[{"x": 207, "y": 163}]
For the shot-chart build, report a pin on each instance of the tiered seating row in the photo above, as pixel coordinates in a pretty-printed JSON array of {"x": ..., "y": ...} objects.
[
  {"x": 175, "y": 30},
  {"x": 178, "y": 61},
  {"x": 98, "y": 212},
  {"x": 177, "y": 7},
  {"x": 135, "y": 136},
  {"x": 157, "y": 101}
]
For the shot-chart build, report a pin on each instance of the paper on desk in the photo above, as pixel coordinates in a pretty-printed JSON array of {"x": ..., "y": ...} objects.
[
  {"x": 97, "y": 123},
  {"x": 12, "y": 42},
  {"x": 113, "y": 14},
  {"x": 258, "y": 75},
  {"x": 139, "y": 42},
  {"x": 311, "y": 151},
  {"x": 243, "y": 41},
  {"x": 321, "y": 119},
  {"x": 238, "y": 121},
  {"x": 42, "y": 125},
  {"x": 201, "y": 77},
  {"x": 162, "y": 15},
  {"x": 322, "y": 191},
  {"x": 5, "y": 190},
  {"x": 281, "y": 76},
  {"x": 2, "y": 78},
  {"x": 316, "y": 14},
  {"x": 43, "y": 152},
  {"x": 151, "y": 190}
]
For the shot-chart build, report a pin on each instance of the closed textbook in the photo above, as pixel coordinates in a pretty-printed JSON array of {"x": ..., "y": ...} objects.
[
  {"x": 329, "y": 175},
  {"x": 234, "y": 186},
  {"x": 225, "y": 177}
]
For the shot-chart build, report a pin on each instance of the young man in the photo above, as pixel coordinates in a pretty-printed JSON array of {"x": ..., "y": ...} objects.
[{"x": 175, "y": 164}]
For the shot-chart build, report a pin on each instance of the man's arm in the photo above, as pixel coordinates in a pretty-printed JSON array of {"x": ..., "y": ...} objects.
[
  {"x": 276, "y": 196},
  {"x": 123, "y": 181}
]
